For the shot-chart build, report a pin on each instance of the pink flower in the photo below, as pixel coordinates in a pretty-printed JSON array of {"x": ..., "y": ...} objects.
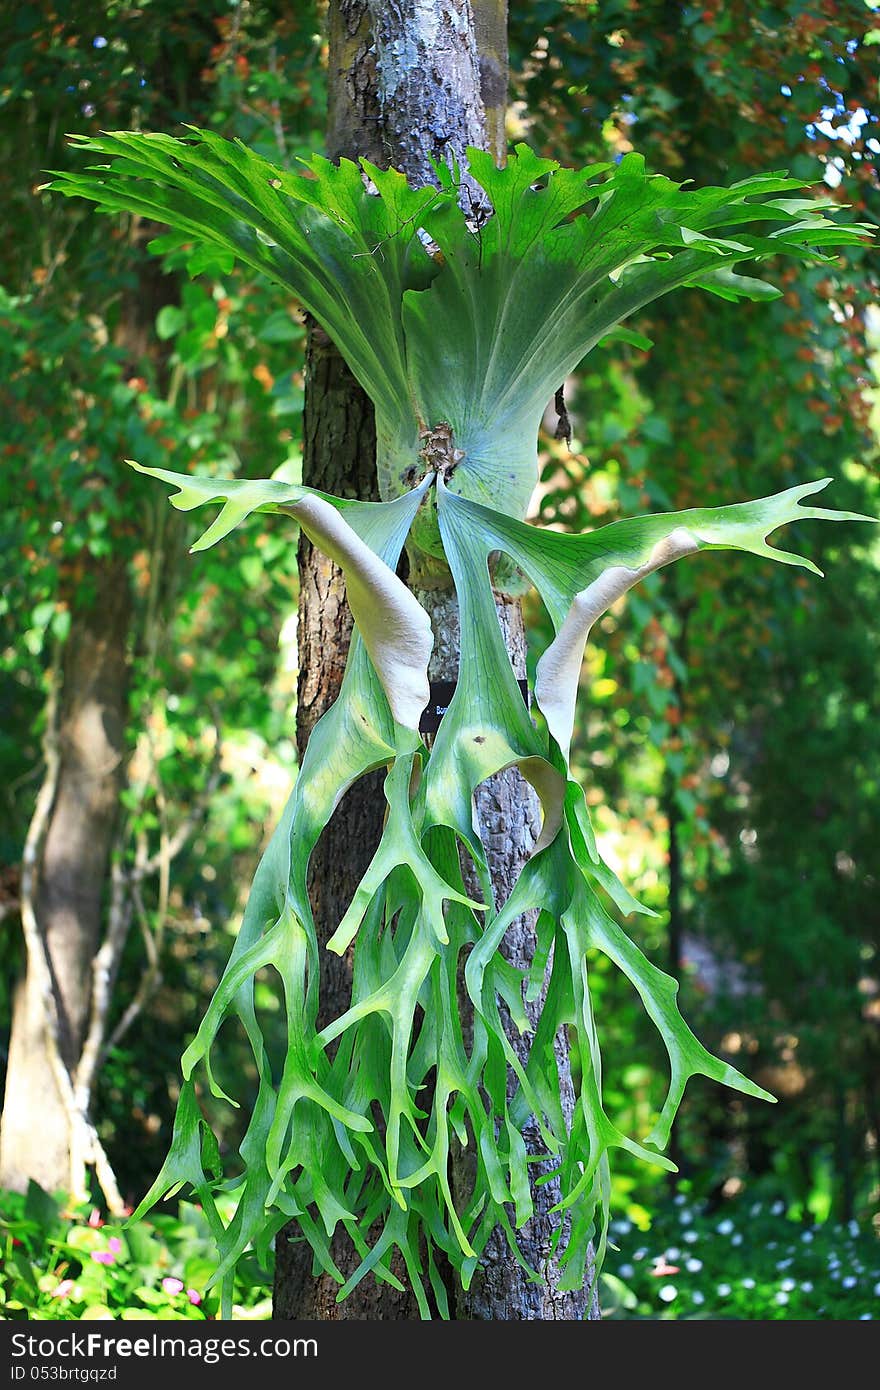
[
  {"x": 114, "y": 1244},
  {"x": 64, "y": 1289},
  {"x": 194, "y": 1296},
  {"x": 103, "y": 1257},
  {"x": 172, "y": 1285},
  {"x": 95, "y": 1218}
]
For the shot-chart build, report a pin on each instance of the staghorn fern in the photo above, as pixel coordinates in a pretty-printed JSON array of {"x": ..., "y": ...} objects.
[{"x": 459, "y": 328}]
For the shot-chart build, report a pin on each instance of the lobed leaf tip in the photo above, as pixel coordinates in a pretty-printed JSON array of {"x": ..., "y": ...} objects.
[{"x": 807, "y": 489}]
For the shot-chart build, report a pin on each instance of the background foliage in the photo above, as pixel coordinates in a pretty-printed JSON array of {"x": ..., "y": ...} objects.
[{"x": 731, "y": 749}]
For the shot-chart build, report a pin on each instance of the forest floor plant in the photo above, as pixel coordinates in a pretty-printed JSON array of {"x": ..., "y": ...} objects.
[
  {"x": 746, "y": 1259},
  {"x": 460, "y": 308}
]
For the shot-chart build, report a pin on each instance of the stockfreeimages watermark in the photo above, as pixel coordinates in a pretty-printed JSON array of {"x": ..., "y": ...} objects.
[{"x": 89, "y": 1346}]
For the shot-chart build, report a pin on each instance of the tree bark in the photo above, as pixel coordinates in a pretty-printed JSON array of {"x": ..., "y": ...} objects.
[
  {"x": 510, "y": 821},
  {"x": 428, "y": 83},
  {"x": 409, "y": 82},
  {"x": 70, "y": 878},
  {"x": 339, "y": 456}
]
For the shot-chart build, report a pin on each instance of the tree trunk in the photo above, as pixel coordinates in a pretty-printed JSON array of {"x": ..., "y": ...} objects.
[
  {"x": 510, "y": 821},
  {"x": 339, "y": 456},
  {"x": 69, "y": 878},
  {"x": 418, "y": 80}
]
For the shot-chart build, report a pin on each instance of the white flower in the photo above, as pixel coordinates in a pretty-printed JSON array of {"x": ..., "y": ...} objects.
[
  {"x": 863, "y": 1317},
  {"x": 725, "y": 1227},
  {"x": 783, "y": 1264},
  {"x": 850, "y": 1281},
  {"x": 748, "y": 1283},
  {"x": 626, "y": 1271},
  {"x": 781, "y": 1297},
  {"x": 788, "y": 1285},
  {"x": 640, "y": 1253},
  {"x": 723, "y": 1290},
  {"x": 667, "y": 1293},
  {"x": 697, "y": 1297},
  {"x": 806, "y": 1286},
  {"x": 806, "y": 1236},
  {"x": 686, "y": 1218},
  {"x": 778, "y": 1208},
  {"x": 690, "y": 1237},
  {"x": 877, "y": 1290},
  {"x": 673, "y": 1253},
  {"x": 623, "y": 1227},
  {"x": 737, "y": 1239},
  {"x": 853, "y": 1228},
  {"x": 679, "y": 1199},
  {"x": 693, "y": 1265}
]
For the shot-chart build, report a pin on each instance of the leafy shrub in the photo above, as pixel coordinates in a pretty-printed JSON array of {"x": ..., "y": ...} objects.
[{"x": 63, "y": 1263}]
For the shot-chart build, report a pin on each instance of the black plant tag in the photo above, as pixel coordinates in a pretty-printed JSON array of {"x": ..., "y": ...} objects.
[{"x": 440, "y": 700}]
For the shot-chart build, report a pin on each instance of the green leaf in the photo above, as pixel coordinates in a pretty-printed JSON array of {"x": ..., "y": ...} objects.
[
  {"x": 209, "y": 260},
  {"x": 522, "y": 299},
  {"x": 40, "y": 1206},
  {"x": 460, "y": 328},
  {"x": 312, "y": 1151},
  {"x": 280, "y": 328},
  {"x": 626, "y": 335},
  {"x": 479, "y": 336},
  {"x": 346, "y": 255},
  {"x": 726, "y": 284},
  {"x": 579, "y": 577},
  {"x": 169, "y": 321},
  {"x": 395, "y": 628}
]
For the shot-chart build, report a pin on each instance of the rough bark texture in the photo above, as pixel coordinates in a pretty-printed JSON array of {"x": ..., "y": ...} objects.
[
  {"x": 406, "y": 85},
  {"x": 353, "y": 114},
  {"x": 339, "y": 456},
  {"x": 34, "y": 1137},
  {"x": 510, "y": 820},
  {"x": 429, "y": 83}
]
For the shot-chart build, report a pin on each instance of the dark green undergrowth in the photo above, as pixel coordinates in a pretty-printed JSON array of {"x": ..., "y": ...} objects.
[
  {"x": 744, "y": 1260},
  {"x": 66, "y": 1262}
]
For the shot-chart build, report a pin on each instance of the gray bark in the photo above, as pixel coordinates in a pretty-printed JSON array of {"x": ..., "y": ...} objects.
[
  {"x": 510, "y": 820},
  {"x": 339, "y": 456},
  {"x": 35, "y": 1135},
  {"x": 405, "y": 87},
  {"x": 428, "y": 83}
]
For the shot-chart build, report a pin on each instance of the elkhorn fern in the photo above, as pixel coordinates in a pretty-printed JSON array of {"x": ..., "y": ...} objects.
[{"x": 459, "y": 329}]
